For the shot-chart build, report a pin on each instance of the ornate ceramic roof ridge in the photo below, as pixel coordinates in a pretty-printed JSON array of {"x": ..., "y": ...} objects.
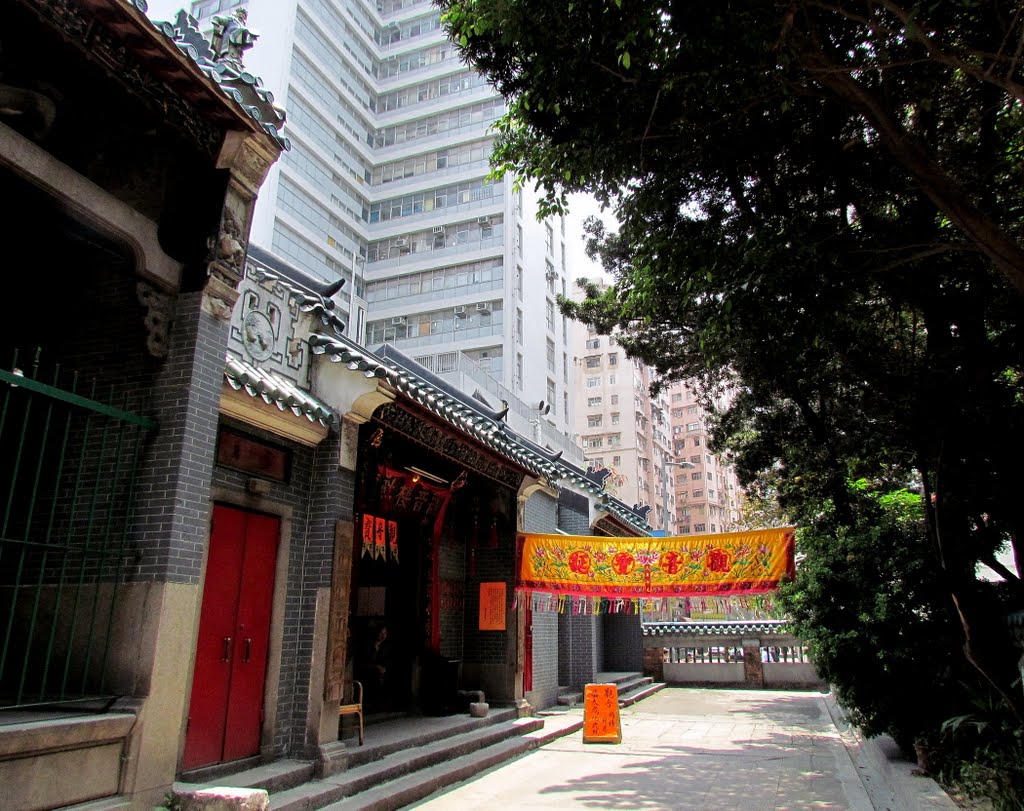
[
  {"x": 465, "y": 413},
  {"x": 716, "y": 628},
  {"x": 276, "y": 390},
  {"x": 224, "y": 67}
]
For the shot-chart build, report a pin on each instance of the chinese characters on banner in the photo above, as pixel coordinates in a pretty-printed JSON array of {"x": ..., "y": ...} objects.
[
  {"x": 728, "y": 563},
  {"x": 601, "y": 722}
]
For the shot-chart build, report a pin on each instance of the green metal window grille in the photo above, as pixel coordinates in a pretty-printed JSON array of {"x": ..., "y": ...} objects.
[{"x": 69, "y": 459}]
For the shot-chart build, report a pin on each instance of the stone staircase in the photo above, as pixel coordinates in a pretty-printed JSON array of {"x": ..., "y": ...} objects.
[
  {"x": 403, "y": 760},
  {"x": 632, "y": 687}
]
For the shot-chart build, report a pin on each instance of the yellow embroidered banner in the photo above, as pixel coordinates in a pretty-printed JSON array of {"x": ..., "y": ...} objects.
[{"x": 749, "y": 562}]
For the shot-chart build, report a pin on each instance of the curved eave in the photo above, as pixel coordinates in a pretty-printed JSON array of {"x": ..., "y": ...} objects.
[
  {"x": 485, "y": 429},
  {"x": 275, "y": 390},
  {"x": 154, "y": 45}
]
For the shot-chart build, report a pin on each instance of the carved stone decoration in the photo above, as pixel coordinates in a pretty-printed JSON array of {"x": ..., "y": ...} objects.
[
  {"x": 219, "y": 299},
  {"x": 227, "y": 250},
  {"x": 159, "y": 314}
]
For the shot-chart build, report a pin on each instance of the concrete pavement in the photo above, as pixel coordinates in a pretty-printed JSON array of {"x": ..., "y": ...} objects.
[{"x": 690, "y": 748}]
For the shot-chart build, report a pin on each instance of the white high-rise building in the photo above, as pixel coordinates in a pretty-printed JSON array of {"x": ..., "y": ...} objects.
[{"x": 386, "y": 185}]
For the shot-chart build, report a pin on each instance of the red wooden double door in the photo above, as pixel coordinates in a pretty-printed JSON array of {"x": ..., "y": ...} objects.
[{"x": 225, "y": 714}]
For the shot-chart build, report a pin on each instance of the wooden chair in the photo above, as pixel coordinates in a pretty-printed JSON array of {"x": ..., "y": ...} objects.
[{"x": 355, "y": 707}]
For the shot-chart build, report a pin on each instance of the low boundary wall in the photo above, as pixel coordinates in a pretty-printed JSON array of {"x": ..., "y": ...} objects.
[{"x": 755, "y": 653}]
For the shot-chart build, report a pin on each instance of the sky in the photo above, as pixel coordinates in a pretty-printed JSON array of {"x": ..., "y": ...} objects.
[
  {"x": 582, "y": 206},
  {"x": 165, "y": 9}
]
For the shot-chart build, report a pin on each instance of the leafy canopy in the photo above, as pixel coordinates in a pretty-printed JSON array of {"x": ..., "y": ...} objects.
[{"x": 821, "y": 207}]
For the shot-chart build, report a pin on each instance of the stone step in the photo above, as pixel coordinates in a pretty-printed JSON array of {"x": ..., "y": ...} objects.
[
  {"x": 380, "y": 744},
  {"x": 411, "y": 758},
  {"x": 628, "y": 684},
  {"x": 422, "y": 783},
  {"x": 320, "y": 794},
  {"x": 279, "y": 775},
  {"x": 640, "y": 694}
]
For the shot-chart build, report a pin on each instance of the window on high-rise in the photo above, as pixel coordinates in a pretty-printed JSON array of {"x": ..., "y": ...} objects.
[
  {"x": 519, "y": 370},
  {"x": 549, "y": 314},
  {"x": 551, "y": 395},
  {"x": 549, "y": 239},
  {"x": 594, "y": 421},
  {"x": 565, "y": 368},
  {"x": 615, "y": 418},
  {"x": 592, "y": 361},
  {"x": 594, "y": 402},
  {"x": 519, "y": 326},
  {"x": 593, "y": 382},
  {"x": 519, "y": 241},
  {"x": 565, "y": 403},
  {"x": 615, "y": 399},
  {"x": 696, "y": 442},
  {"x": 550, "y": 353},
  {"x": 613, "y": 358}
]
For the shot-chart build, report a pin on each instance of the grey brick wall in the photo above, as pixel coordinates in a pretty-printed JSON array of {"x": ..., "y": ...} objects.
[
  {"x": 172, "y": 511},
  {"x": 579, "y": 636}
]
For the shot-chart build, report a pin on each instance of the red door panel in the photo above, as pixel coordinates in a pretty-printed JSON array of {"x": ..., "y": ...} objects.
[
  {"x": 252, "y": 635},
  {"x": 225, "y": 709}
]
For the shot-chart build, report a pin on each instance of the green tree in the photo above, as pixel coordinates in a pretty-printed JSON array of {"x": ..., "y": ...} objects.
[
  {"x": 821, "y": 207},
  {"x": 868, "y": 600}
]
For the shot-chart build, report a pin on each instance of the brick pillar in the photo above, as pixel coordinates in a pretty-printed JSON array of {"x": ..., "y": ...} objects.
[
  {"x": 172, "y": 513},
  {"x": 330, "y": 501},
  {"x": 169, "y": 536},
  {"x": 753, "y": 667},
  {"x": 654, "y": 663}
]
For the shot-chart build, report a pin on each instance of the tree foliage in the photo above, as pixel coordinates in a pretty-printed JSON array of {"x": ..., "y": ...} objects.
[
  {"x": 869, "y": 601},
  {"x": 821, "y": 206}
]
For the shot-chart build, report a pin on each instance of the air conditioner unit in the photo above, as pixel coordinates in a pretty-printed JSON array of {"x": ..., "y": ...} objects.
[
  {"x": 483, "y": 306},
  {"x": 401, "y": 242},
  {"x": 437, "y": 229},
  {"x": 398, "y": 319},
  {"x": 460, "y": 311},
  {"x": 483, "y": 220}
]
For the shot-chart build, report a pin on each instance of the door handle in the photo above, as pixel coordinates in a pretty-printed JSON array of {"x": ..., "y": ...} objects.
[
  {"x": 246, "y": 649},
  {"x": 226, "y": 654}
]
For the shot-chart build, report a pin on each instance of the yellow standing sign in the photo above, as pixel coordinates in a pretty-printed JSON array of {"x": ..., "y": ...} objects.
[{"x": 601, "y": 723}]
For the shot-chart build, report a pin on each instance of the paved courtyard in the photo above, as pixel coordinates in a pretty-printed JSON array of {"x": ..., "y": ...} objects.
[{"x": 686, "y": 748}]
